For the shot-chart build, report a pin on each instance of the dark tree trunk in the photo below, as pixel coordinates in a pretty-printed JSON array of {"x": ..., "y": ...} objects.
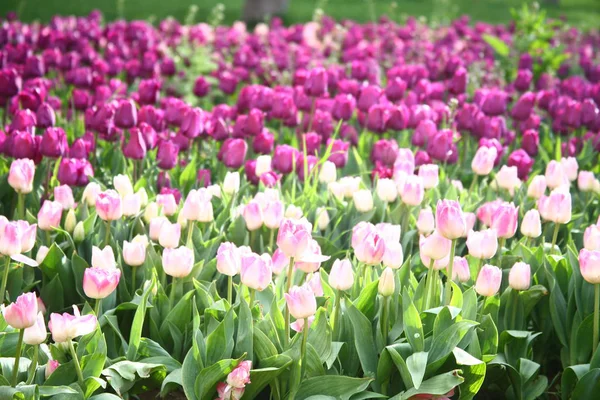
[{"x": 258, "y": 10}]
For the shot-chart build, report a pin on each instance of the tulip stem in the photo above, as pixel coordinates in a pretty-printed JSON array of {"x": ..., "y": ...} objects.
[
  {"x": 17, "y": 358},
  {"x": 252, "y": 296},
  {"x": 336, "y": 313},
  {"x": 133, "y": 271},
  {"x": 5, "y": 278},
  {"x": 428, "y": 286},
  {"x": 513, "y": 317},
  {"x": 271, "y": 240},
  {"x": 33, "y": 365},
  {"x": 48, "y": 238},
  {"x": 172, "y": 293},
  {"x": 473, "y": 183},
  {"x": 555, "y": 237},
  {"x": 97, "y": 307},
  {"x": 77, "y": 365},
  {"x": 229, "y": 288},
  {"x": 501, "y": 242},
  {"x": 288, "y": 284},
  {"x": 107, "y": 235},
  {"x": 479, "y": 265},
  {"x": 596, "y": 317},
  {"x": 21, "y": 205},
  {"x": 448, "y": 294},
  {"x": 305, "y": 329},
  {"x": 189, "y": 242},
  {"x": 384, "y": 319}
]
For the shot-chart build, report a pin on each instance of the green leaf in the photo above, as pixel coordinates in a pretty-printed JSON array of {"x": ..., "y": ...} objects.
[
  {"x": 365, "y": 303},
  {"x": 270, "y": 369},
  {"x": 124, "y": 374},
  {"x": 363, "y": 340},
  {"x": 219, "y": 343},
  {"x": 445, "y": 342},
  {"x": 473, "y": 373},
  {"x": 243, "y": 344},
  {"x": 498, "y": 45},
  {"x": 338, "y": 387},
  {"x": 417, "y": 363},
  {"x": 412, "y": 323},
  {"x": 209, "y": 377},
  {"x": 438, "y": 385},
  {"x": 138, "y": 324}
]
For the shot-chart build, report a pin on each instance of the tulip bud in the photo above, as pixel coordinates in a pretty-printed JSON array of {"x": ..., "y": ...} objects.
[
  {"x": 109, "y": 206},
  {"x": 482, "y": 245},
  {"x": 263, "y": 165},
  {"x": 301, "y": 302},
  {"x": 123, "y": 185},
  {"x": 240, "y": 376},
  {"x": 371, "y": 249},
  {"x": 167, "y": 203},
  {"x": 531, "y": 225},
  {"x": 20, "y": 176},
  {"x": 591, "y": 238},
  {"x": 293, "y": 212},
  {"x": 41, "y": 254},
  {"x": 99, "y": 283},
  {"x": 143, "y": 195},
  {"x": 412, "y": 191},
  {"x": 50, "y": 368},
  {"x": 169, "y": 234},
  {"x": 386, "y": 285},
  {"x": 23, "y": 312},
  {"x": 328, "y": 172},
  {"x": 393, "y": 256},
  {"x": 585, "y": 181},
  {"x": 505, "y": 219},
  {"x": 256, "y": 272},
  {"x": 70, "y": 221},
  {"x": 231, "y": 183},
  {"x": 425, "y": 222},
  {"x": 450, "y": 219},
  {"x": 134, "y": 253},
  {"x": 321, "y": 218},
  {"x": 556, "y": 175},
  {"x": 460, "y": 269},
  {"x": 429, "y": 173},
  {"x": 341, "y": 276},
  {"x": 537, "y": 187},
  {"x": 489, "y": 280},
  {"x": 178, "y": 262},
  {"x": 79, "y": 232},
  {"x": 151, "y": 212},
  {"x": 363, "y": 200},
  {"x": 253, "y": 216},
  {"x": 49, "y": 215},
  {"x": 90, "y": 193},
  {"x": 65, "y": 327},
  {"x": 589, "y": 265},
  {"x": 556, "y": 207},
  {"x": 519, "y": 277},
  {"x": 483, "y": 161},
  {"x": 570, "y": 166},
  {"x": 434, "y": 246},
  {"x": 508, "y": 178},
  {"x": 386, "y": 190}
]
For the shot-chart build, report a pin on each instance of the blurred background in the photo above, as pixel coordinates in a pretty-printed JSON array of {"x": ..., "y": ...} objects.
[{"x": 582, "y": 13}]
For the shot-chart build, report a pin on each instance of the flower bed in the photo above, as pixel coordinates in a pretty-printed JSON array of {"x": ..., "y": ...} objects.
[{"x": 321, "y": 211}]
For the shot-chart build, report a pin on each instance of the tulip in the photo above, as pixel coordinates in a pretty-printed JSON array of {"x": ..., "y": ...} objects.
[
  {"x": 450, "y": 219},
  {"x": 519, "y": 277},
  {"x": 233, "y": 153},
  {"x": 272, "y": 214},
  {"x": 591, "y": 238},
  {"x": 361, "y": 231},
  {"x": 99, "y": 283},
  {"x": 70, "y": 221},
  {"x": 556, "y": 207},
  {"x": 429, "y": 173},
  {"x": 393, "y": 256},
  {"x": 505, "y": 220},
  {"x": 586, "y": 181},
  {"x": 54, "y": 143},
  {"x": 341, "y": 276},
  {"x": 240, "y": 376},
  {"x": 253, "y": 215},
  {"x": 386, "y": 190},
  {"x": 20, "y": 176},
  {"x": 461, "y": 269},
  {"x": 483, "y": 161},
  {"x": 109, "y": 206},
  {"x": 167, "y": 203},
  {"x": 229, "y": 261},
  {"x": 531, "y": 225},
  {"x": 363, "y": 200},
  {"x": 556, "y": 175},
  {"x": 371, "y": 250},
  {"x": 79, "y": 232},
  {"x": 412, "y": 191},
  {"x": 231, "y": 183},
  {"x": 482, "y": 245},
  {"x": 178, "y": 262},
  {"x": 570, "y": 167},
  {"x": 520, "y": 159},
  {"x": 434, "y": 247},
  {"x": 488, "y": 281},
  {"x": 49, "y": 215},
  {"x": 41, "y": 254},
  {"x": 256, "y": 271},
  {"x": 45, "y": 116},
  {"x": 64, "y": 195},
  {"x": 589, "y": 266},
  {"x": 508, "y": 178},
  {"x": 537, "y": 187},
  {"x": 170, "y": 234},
  {"x": 322, "y": 218},
  {"x": 328, "y": 172},
  {"x": 67, "y": 327},
  {"x": 123, "y": 185},
  {"x": 425, "y": 221},
  {"x": 103, "y": 259},
  {"x": 294, "y": 237},
  {"x": 90, "y": 193},
  {"x": 134, "y": 252},
  {"x": 50, "y": 368},
  {"x": 36, "y": 334},
  {"x": 301, "y": 302},
  {"x": 386, "y": 285},
  {"x": 23, "y": 312}
]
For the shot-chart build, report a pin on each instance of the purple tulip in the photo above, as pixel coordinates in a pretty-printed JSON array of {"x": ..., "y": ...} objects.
[
  {"x": 45, "y": 116},
  {"x": 54, "y": 143},
  {"x": 377, "y": 118},
  {"x": 10, "y": 82},
  {"x": 343, "y": 107},
  {"x": 439, "y": 147},
  {"x": 233, "y": 153},
  {"x": 339, "y": 152},
  {"x": 192, "y": 124},
  {"x": 523, "y": 80},
  {"x": 135, "y": 148},
  {"x": 126, "y": 114},
  {"x": 250, "y": 171},
  {"x": 167, "y": 154},
  {"x": 369, "y": 95},
  {"x": 316, "y": 82},
  {"x": 201, "y": 87},
  {"x": 263, "y": 142},
  {"x": 203, "y": 177},
  {"x": 395, "y": 89},
  {"x": 523, "y": 107},
  {"x": 78, "y": 149},
  {"x": 530, "y": 142},
  {"x": 385, "y": 151},
  {"x": 494, "y": 102},
  {"x": 520, "y": 159},
  {"x": 24, "y": 120},
  {"x": 283, "y": 158},
  {"x": 74, "y": 172},
  {"x": 148, "y": 91}
]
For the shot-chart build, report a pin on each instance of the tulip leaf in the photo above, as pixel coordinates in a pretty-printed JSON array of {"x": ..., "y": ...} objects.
[
  {"x": 336, "y": 386},
  {"x": 413, "y": 326},
  {"x": 445, "y": 342},
  {"x": 244, "y": 339},
  {"x": 365, "y": 303},
  {"x": 499, "y": 46},
  {"x": 363, "y": 340},
  {"x": 438, "y": 385},
  {"x": 138, "y": 324},
  {"x": 208, "y": 378}
]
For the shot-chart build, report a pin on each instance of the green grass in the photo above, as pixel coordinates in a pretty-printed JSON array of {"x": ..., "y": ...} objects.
[{"x": 584, "y": 13}]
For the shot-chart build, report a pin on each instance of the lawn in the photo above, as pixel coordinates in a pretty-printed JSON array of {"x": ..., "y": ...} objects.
[{"x": 584, "y": 13}]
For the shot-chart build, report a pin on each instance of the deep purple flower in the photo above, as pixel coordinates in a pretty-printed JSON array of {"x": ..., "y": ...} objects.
[
  {"x": 201, "y": 87},
  {"x": 203, "y": 177},
  {"x": 523, "y": 80},
  {"x": 283, "y": 158},
  {"x": 20, "y": 144},
  {"x": 136, "y": 146},
  {"x": 458, "y": 82},
  {"x": 78, "y": 149},
  {"x": 45, "y": 116},
  {"x": 192, "y": 124},
  {"x": 399, "y": 117},
  {"x": 126, "y": 114},
  {"x": 263, "y": 142},
  {"x": 339, "y": 152},
  {"x": 377, "y": 118},
  {"x": 10, "y": 82},
  {"x": 316, "y": 82},
  {"x": 233, "y": 152},
  {"x": 312, "y": 142},
  {"x": 422, "y": 158},
  {"x": 163, "y": 180},
  {"x": 228, "y": 82},
  {"x": 522, "y": 161},
  {"x": 152, "y": 116},
  {"x": 174, "y": 191},
  {"x": 250, "y": 171},
  {"x": 385, "y": 151},
  {"x": 494, "y": 102},
  {"x": 167, "y": 154},
  {"x": 343, "y": 107},
  {"x": 24, "y": 120},
  {"x": 74, "y": 172},
  {"x": 369, "y": 95},
  {"x": 439, "y": 147},
  {"x": 530, "y": 142},
  {"x": 303, "y": 170},
  {"x": 395, "y": 89},
  {"x": 424, "y": 131},
  {"x": 523, "y": 107},
  {"x": 148, "y": 91},
  {"x": 54, "y": 143},
  {"x": 270, "y": 179}
]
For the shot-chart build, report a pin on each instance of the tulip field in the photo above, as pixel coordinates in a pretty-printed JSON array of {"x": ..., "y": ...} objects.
[{"x": 328, "y": 210}]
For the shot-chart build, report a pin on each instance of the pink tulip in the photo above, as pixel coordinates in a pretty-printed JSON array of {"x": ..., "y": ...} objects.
[
  {"x": 483, "y": 161},
  {"x": 556, "y": 175},
  {"x": 450, "y": 219},
  {"x": 280, "y": 261},
  {"x": 313, "y": 282},
  {"x": 531, "y": 225},
  {"x": 178, "y": 262},
  {"x": 485, "y": 211},
  {"x": 50, "y": 368},
  {"x": 294, "y": 237},
  {"x": 570, "y": 167},
  {"x": 301, "y": 302},
  {"x": 341, "y": 276},
  {"x": 311, "y": 259},
  {"x": 99, "y": 283},
  {"x": 132, "y": 204},
  {"x": 537, "y": 187},
  {"x": 298, "y": 325},
  {"x": 10, "y": 237},
  {"x": 229, "y": 259},
  {"x": 471, "y": 220},
  {"x": 27, "y": 233},
  {"x": 483, "y": 244},
  {"x": 20, "y": 176},
  {"x": 461, "y": 270},
  {"x": 586, "y": 181},
  {"x": 167, "y": 203},
  {"x": 591, "y": 238},
  {"x": 489, "y": 280},
  {"x": 256, "y": 271},
  {"x": 23, "y": 312},
  {"x": 389, "y": 232},
  {"x": 104, "y": 258},
  {"x": 65, "y": 327},
  {"x": 49, "y": 215},
  {"x": 426, "y": 221},
  {"x": 433, "y": 247},
  {"x": 589, "y": 265},
  {"x": 64, "y": 195},
  {"x": 134, "y": 252},
  {"x": 169, "y": 234},
  {"x": 393, "y": 256},
  {"x": 508, "y": 178},
  {"x": 429, "y": 173},
  {"x": 505, "y": 220},
  {"x": 386, "y": 284},
  {"x": 253, "y": 215},
  {"x": 240, "y": 376},
  {"x": 519, "y": 277},
  {"x": 272, "y": 213},
  {"x": 412, "y": 191},
  {"x": 371, "y": 250},
  {"x": 360, "y": 232},
  {"x": 156, "y": 227},
  {"x": 109, "y": 206},
  {"x": 556, "y": 207},
  {"x": 196, "y": 206},
  {"x": 90, "y": 193}
]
